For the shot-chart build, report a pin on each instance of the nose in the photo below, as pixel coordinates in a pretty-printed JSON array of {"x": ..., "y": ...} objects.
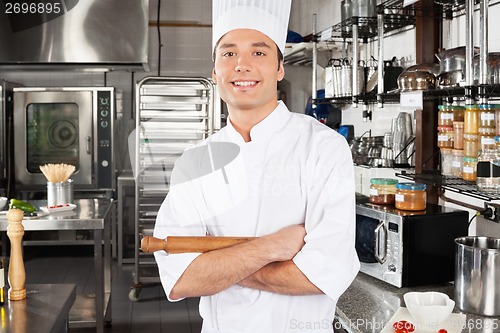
[{"x": 243, "y": 64}]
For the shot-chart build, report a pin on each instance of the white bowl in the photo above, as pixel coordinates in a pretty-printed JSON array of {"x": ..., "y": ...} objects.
[
  {"x": 3, "y": 202},
  {"x": 429, "y": 309}
]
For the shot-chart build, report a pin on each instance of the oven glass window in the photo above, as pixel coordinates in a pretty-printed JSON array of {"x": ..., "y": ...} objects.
[{"x": 52, "y": 135}]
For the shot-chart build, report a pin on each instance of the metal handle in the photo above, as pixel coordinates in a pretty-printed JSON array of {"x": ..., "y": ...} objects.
[
  {"x": 87, "y": 144},
  {"x": 380, "y": 259}
]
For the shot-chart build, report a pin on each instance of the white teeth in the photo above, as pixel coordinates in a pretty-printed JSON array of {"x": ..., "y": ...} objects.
[{"x": 244, "y": 83}]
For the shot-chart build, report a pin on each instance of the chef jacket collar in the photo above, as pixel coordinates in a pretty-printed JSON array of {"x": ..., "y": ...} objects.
[{"x": 266, "y": 128}]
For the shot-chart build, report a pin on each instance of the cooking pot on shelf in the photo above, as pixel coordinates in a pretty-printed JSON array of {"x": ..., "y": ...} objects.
[
  {"x": 431, "y": 68},
  {"x": 451, "y": 79},
  {"x": 416, "y": 80},
  {"x": 453, "y": 59},
  {"x": 493, "y": 68}
]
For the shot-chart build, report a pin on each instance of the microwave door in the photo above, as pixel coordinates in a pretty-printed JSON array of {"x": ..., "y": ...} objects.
[{"x": 57, "y": 127}]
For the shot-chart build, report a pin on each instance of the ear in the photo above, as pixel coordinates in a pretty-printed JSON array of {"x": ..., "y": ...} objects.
[
  {"x": 281, "y": 71},
  {"x": 214, "y": 76}
]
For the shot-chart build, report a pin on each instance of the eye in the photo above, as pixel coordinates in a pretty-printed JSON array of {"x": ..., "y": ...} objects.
[
  {"x": 228, "y": 54},
  {"x": 260, "y": 53}
]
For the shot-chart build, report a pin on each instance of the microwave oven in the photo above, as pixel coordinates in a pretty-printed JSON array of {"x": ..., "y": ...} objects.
[
  {"x": 71, "y": 125},
  {"x": 405, "y": 248}
]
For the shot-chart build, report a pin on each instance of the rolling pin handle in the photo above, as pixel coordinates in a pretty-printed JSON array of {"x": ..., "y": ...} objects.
[{"x": 151, "y": 244}]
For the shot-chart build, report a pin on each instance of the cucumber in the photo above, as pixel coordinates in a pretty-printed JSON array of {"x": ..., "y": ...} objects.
[{"x": 22, "y": 205}]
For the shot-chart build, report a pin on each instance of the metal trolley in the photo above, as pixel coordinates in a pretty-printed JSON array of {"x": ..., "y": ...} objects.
[{"x": 172, "y": 114}]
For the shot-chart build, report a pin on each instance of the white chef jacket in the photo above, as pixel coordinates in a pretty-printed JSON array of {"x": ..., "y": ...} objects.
[{"x": 298, "y": 171}]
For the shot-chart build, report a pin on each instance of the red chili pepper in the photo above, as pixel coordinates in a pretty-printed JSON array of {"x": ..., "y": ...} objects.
[{"x": 442, "y": 331}]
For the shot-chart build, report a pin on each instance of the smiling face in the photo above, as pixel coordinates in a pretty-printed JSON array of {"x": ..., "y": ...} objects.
[{"x": 246, "y": 71}]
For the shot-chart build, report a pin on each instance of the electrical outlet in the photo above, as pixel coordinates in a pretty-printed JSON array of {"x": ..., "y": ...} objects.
[{"x": 495, "y": 211}]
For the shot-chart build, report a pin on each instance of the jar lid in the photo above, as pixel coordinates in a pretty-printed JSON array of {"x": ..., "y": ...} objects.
[
  {"x": 487, "y": 130},
  {"x": 471, "y": 107},
  {"x": 486, "y": 106},
  {"x": 458, "y": 124},
  {"x": 497, "y": 138},
  {"x": 469, "y": 159},
  {"x": 383, "y": 181},
  {"x": 468, "y": 136},
  {"x": 457, "y": 152},
  {"x": 411, "y": 186},
  {"x": 450, "y": 107},
  {"x": 445, "y": 128}
]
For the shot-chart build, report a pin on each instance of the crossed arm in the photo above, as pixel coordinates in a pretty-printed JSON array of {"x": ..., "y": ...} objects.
[{"x": 264, "y": 263}]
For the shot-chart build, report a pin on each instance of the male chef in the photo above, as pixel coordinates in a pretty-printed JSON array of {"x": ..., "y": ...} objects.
[{"x": 297, "y": 180}]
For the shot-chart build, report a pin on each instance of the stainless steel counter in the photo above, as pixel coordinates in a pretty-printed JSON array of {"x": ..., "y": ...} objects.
[
  {"x": 93, "y": 215},
  {"x": 45, "y": 309},
  {"x": 369, "y": 304}
]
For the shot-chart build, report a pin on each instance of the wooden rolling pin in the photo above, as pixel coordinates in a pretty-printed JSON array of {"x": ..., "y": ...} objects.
[{"x": 189, "y": 244}]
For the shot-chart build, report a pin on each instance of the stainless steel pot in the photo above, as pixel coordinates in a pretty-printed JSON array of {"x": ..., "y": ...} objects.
[
  {"x": 477, "y": 275},
  {"x": 493, "y": 68},
  {"x": 416, "y": 80},
  {"x": 431, "y": 68},
  {"x": 453, "y": 59},
  {"x": 451, "y": 79}
]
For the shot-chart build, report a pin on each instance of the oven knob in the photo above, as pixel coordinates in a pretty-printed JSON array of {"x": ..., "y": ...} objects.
[
  {"x": 104, "y": 101},
  {"x": 104, "y": 124},
  {"x": 104, "y": 113},
  {"x": 104, "y": 163},
  {"x": 391, "y": 267}
]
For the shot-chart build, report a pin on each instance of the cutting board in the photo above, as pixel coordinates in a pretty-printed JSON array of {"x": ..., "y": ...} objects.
[{"x": 453, "y": 324}]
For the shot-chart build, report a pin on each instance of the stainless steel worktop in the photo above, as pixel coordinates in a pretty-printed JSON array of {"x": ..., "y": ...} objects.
[
  {"x": 94, "y": 215},
  {"x": 45, "y": 309},
  {"x": 369, "y": 304}
]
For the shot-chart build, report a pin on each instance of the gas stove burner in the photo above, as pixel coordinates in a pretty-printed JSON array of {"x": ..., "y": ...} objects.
[{"x": 63, "y": 134}]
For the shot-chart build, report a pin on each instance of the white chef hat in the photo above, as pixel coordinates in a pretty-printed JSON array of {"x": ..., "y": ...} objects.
[{"x": 267, "y": 16}]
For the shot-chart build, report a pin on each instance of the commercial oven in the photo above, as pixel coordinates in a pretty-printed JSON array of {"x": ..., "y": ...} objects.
[{"x": 71, "y": 125}]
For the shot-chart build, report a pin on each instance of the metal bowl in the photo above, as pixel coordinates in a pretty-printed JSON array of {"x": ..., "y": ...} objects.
[
  {"x": 416, "y": 80},
  {"x": 451, "y": 79}
]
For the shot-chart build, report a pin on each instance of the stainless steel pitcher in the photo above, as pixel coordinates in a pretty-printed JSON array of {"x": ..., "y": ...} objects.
[{"x": 477, "y": 275}]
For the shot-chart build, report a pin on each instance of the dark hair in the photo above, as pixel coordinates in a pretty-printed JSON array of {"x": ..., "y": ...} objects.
[{"x": 280, "y": 54}]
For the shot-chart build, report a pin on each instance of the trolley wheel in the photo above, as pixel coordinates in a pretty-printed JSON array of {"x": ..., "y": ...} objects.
[{"x": 133, "y": 294}]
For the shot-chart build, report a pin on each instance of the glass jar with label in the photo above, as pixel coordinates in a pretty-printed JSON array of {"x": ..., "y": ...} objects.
[
  {"x": 497, "y": 118},
  {"x": 445, "y": 115},
  {"x": 445, "y": 136},
  {"x": 458, "y": 134},
  {"x": 471, "y": 145},
  {"x": 488, "y": 171},
  {"x": 382, "y": 191},
  {"x": 469, "y": 168},
  {"x": 486, "y": 116},
  {"x": 457, "y": 162},
  {"x": 486, "y": 138},
  {"x": 446, "y": 161},
  {"x": 471, "y": 119},
  {"x": 411, "y": 196}
]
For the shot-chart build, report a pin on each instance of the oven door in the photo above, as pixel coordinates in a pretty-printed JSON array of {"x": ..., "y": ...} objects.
[{"x": 52, "y": 127}]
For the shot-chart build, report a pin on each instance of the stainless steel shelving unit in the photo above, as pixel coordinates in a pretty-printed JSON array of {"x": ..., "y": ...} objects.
[{"x": 172, "y": 115}]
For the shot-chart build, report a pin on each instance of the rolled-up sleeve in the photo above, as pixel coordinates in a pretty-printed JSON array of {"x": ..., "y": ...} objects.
[
  {"x": 168, "y": 223},
  {"x": 328, "y": 258}
]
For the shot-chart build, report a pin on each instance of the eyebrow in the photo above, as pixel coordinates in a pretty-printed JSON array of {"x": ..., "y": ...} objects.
[{"x": 255, "y": 44}]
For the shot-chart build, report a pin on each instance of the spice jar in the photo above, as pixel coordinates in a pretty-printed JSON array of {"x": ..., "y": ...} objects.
[
  {"x": 469, "y": 168},
  {"x": 458, "y": 134},
  {"x": 471, "y": 119},
  {"x": 446, "y": 161},
  {"x": 486, "y": 138},
  {"x": 471, "y": 145},
  {"x": 411, "y": 196},
  {"x": 445, "y": 115},
  {"x": 497, "y": 118},
  {"x": 445, "y": 137},
  {"x": 383, "y": 191},
  {"x": 457, "y": 162},
  {"x": 486, "y": 116}
]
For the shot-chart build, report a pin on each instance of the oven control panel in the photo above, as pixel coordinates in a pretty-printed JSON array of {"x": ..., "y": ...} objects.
[{"x": 105, "y": 107}]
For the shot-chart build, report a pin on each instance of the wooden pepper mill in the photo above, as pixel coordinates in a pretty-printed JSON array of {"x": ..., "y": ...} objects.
[{"x": 17, "y": 274}]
